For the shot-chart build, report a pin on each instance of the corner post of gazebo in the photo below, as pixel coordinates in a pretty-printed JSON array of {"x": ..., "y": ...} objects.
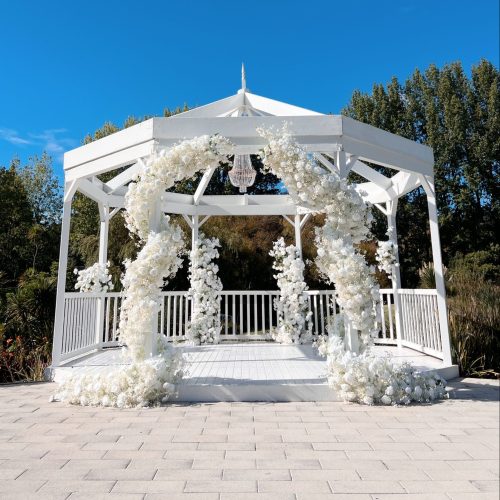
[
  {"x": 392, "y": 207},
  {"x": 430, "y": 190},
  {"x": 104, "y": 217},
  {"x": 69, "y": 191}
]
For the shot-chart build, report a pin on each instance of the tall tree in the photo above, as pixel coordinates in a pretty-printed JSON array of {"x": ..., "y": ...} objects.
[{"x": 459, "y": 117}]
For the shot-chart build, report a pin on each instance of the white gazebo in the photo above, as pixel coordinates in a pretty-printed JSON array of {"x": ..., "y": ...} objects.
[{"x": 86, "y": 323}]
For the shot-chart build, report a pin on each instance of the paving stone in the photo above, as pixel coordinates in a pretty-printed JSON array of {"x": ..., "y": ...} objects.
[
  {"x": 257, "y": 496},
  {"x": 162, "y": 487},
  {"x": 439, "y": 486},
  {"x": 105, "y": 496},
  {"x": 371, "y": 487},
  {"x": 63, "y": 485},
  {"x": 128, "y": 474},
  {"x": 256, "y": 474},
  {"x": 316, "y": 486},
  {"x": 221, "y": 486},
  {"x": 183, "y": 496},
  {"x": 190, "y": 474}
]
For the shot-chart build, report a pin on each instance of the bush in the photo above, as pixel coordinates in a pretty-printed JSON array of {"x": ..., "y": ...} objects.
[
  {"x": 22, "y": 360},
  {"x": 474, "y": 315},
  {"x": 29, "y": 321}
]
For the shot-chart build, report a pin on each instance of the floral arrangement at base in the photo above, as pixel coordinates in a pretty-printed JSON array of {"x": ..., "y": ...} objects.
[
  {"x": 139, "y": 384},
  {"x": 294, "y": 325},
  {"x": 386, "y": 255},
  {"x": 95, "y": 278},
  {"x": 204, "y": 326},
  {"x": 370, "y": 379}
]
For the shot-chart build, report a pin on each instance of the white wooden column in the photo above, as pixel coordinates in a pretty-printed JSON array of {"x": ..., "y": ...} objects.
[
  {"x": 195, "y": 224},
  {"x": 103, "y": 233},
  {"x": 298, "y": 236},
  {"x": 103, "y": 258},
  {"x": 351, "y": 339},
  {"x": 392, "y": 207},
  {"x": 428, "y": 184},
  {"x": 69, "y": 191}
]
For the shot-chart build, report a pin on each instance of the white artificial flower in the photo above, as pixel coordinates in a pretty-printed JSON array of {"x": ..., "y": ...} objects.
[
  {"x": 294, "y": 317},
  {"x": 204, "y": 325},
  {"x": 95, "y": 278}
]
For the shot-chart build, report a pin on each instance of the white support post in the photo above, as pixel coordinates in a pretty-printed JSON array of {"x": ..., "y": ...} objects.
[
  {"x": 391, "y": 210},
  {"x": 341, "y": 163},
  {"x": 298, "y": 237},
  {"x": 61, "y": 276},
  {"x": 428, "y": 184},
  {"x": 103, "y": 258},
  {"x": 195, "y": 224},
  {"x": 351, "y": 339}
]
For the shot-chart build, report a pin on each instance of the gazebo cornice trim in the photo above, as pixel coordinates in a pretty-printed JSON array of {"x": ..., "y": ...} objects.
[{"x": 315, "y": 133}]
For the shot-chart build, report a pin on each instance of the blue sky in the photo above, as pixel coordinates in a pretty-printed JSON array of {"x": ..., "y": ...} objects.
[{"x": 66, "y": 67}]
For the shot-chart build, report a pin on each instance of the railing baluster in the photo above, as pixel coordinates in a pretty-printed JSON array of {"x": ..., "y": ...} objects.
[
  {"x": 248, "y": 322},
  {"x": 255, "y": 314}
]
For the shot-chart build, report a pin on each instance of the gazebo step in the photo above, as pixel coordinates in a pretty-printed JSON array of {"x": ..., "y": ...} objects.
[{"x": 251, "y": 392}]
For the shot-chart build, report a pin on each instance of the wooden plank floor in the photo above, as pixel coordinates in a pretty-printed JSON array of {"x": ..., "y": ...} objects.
[
  {"x": 253, "y": 363},
  {"x": 249, "y": 371}
]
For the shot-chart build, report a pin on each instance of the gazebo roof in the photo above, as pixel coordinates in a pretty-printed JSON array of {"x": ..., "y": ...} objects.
[{"x": 338, "y": 143}]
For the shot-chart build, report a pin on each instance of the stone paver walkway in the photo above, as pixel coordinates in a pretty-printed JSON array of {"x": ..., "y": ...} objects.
[{"x": 267, "y": 451}]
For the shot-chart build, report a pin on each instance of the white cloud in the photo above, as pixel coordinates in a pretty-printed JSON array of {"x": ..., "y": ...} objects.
[
  {"x": 13, "y": 137},
  {"x": 53, "y": 141}
]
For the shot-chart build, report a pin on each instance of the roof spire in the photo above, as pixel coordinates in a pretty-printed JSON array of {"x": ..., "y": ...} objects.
[{"x": 243, "y": 78}]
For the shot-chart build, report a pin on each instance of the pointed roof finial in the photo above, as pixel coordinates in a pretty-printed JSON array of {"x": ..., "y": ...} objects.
[{"x": 243, "y": 78}]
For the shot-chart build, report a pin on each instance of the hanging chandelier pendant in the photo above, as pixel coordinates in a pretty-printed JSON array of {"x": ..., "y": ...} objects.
[{"x": 242, "y": 175}]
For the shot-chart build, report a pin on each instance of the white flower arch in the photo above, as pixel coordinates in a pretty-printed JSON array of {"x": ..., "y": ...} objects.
[
  {"x": 347, "y": 222},
  {"x": 160, "y": 256}
]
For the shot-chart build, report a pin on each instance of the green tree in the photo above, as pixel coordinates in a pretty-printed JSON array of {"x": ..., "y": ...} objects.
[
  {"x": 459, "y": 117},
  {"x": 43, "y": 189},
  {"x": 15, "y": 222}
]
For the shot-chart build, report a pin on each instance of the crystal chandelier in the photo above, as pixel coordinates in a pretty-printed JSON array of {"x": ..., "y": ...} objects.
[{"x": 242, "y": 175}]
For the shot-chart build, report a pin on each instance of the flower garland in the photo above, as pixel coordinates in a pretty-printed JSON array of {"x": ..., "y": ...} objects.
[
  {"x": 292, "y": 305},
  {"x": 386, "y": 255},
  {"x": 373, "y": 379},
  {"x": 95, "y": 278},
  {"x": 204, "y": 327},
  {"x": 148, "y": 379},
  {"x": 348, "y": 218},
  {"x": 142, "y": 383}
]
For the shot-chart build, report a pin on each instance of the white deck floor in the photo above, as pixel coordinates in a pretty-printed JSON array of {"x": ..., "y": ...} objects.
[{"x": 249, "y": 371}]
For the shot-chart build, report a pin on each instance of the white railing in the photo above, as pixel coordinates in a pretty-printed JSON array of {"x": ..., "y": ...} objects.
[
  {"x": 419, "y": 320},
  {"x": 243, "y": 314},
  {"x": 91, "y": 319}
]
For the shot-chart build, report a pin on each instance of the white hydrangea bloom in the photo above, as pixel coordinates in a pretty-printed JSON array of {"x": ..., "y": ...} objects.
[
  {"x": 386, "y": 255},
  {"x": 294, "y": 325},
  {"x": 204, "y": 326},
  {"x": 95, "y": 278}
]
